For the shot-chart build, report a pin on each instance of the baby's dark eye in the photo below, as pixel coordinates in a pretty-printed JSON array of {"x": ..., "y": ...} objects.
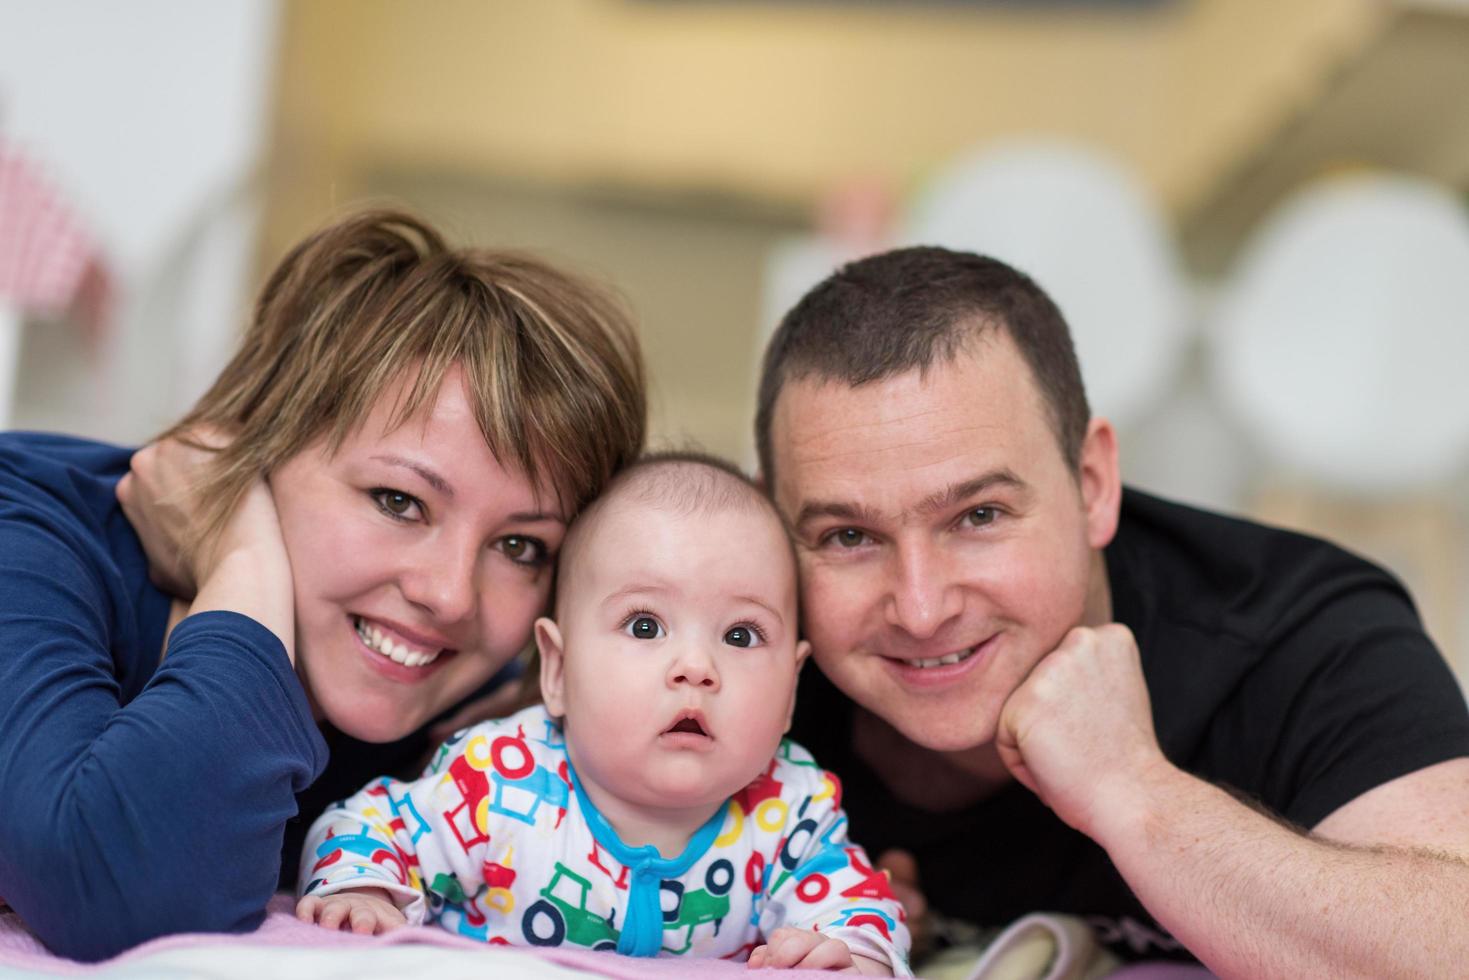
[
  {"x": 743, "y": 636},
  {"x": 643, "y": 628},
  {"x": 395, "y": 503},
  {"x": 523, "y": 550}
]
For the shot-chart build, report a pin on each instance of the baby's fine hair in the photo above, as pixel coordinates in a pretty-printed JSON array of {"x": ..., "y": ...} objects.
[
  {"x": 684, "y": 481},
  {"x": 688, "y": 481}
]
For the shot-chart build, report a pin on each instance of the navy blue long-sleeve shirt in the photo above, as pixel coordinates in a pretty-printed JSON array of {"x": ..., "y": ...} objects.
[{"x": 123, "y": 780}]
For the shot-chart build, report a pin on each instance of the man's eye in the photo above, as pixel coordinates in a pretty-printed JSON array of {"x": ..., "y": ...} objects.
[
  {"x": 523, "y": 550},
  {"x": 743, "y": 636},
  {"x": 396, "y": 503},
  {"x": 643, "y": 628},
  {"x": 849, "y": 537},
  {"x": 980, "y": 516}
]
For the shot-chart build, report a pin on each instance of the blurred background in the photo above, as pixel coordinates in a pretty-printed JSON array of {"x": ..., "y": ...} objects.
[{"x": 1253, "y": 213}]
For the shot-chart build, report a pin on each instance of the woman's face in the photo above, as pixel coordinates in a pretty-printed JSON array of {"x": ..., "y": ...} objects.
[{"x": 419, "y": 564}]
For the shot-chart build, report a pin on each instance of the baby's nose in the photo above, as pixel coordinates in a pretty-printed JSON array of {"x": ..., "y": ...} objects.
[{"x": 696, "y": 668}]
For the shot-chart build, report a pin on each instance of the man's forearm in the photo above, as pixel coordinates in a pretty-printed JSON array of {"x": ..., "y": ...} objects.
[{"x": 1253, "y": 898}]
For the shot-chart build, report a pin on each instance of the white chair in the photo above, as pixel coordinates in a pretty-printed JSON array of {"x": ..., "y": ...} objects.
[
  {"x": 1342, "y": 340},
  {"x": 1093, "y": 238},
  {"x": 1340, "y": 345}
]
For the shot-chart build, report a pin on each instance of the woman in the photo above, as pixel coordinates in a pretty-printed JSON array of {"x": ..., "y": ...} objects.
[{"x": 403, "y": 438}]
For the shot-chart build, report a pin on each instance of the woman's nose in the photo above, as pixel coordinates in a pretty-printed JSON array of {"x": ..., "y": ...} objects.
[{"x": 441, "y": 580}]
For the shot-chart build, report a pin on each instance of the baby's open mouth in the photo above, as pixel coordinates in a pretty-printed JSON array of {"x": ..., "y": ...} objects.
[{"x": 688, "y": 725}]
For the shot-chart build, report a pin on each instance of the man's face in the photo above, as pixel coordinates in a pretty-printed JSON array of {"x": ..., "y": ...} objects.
[{"x": 945, "y": 546}]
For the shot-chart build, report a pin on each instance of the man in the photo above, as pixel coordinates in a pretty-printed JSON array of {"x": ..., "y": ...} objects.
[{"x": 1203, "y": 735}]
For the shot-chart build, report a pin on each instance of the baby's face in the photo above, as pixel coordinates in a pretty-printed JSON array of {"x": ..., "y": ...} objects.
[{"x": 679, "y": 653}]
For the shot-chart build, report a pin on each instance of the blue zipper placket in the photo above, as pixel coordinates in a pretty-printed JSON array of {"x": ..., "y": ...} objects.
[{"x": 642, "y": 928}]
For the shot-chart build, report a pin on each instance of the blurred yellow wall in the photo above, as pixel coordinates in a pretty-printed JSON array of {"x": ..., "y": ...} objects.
[
  {"x": 666, "y": 146},
  {"x": 774, "y": 101}
]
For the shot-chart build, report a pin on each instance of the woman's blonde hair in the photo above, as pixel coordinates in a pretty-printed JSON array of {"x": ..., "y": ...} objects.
[{"x": 551, "y": 363}]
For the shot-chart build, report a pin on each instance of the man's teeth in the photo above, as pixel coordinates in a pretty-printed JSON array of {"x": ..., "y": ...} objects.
[
  {"x": 952, "y": 658},
  {"x": 397, "y": 652}
]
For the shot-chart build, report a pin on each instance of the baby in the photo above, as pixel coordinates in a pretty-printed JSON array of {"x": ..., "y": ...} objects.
[{"x": 652, "y": 805}]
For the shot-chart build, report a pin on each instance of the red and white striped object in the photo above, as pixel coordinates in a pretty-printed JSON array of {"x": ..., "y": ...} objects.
[{"x": 49, "y": 262}]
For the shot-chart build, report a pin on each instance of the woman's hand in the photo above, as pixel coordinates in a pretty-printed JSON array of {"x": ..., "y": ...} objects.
[
  {"x": 243, "y": 568},
  {"x": 160, "y": 498}
]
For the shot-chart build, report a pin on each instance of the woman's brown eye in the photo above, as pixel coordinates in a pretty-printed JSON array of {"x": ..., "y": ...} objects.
[
  {"x": 394, "y": 503},
  {"x": 524, "y": 551}
]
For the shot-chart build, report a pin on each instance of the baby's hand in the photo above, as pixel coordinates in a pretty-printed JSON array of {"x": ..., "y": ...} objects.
[
  {"x": 802, "y": 949},
  {"x": 366, "y": 911}
]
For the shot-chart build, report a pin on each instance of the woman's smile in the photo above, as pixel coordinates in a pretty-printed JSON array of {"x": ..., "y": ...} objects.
[{"x": 393, "y": 644}]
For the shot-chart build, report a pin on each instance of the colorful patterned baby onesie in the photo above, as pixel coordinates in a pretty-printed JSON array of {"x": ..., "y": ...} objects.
[{"x": 497, "y": 841}]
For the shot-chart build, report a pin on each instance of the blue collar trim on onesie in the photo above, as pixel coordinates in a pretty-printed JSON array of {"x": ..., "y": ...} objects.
[{"x": 642, "y": 930}]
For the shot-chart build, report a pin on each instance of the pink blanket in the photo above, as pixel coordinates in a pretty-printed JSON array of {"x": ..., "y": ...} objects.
[{"x": 19, "y": 948}]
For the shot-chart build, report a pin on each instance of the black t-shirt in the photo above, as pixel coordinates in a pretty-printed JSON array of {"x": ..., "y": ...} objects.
[{"x": 1279, "y": 666}]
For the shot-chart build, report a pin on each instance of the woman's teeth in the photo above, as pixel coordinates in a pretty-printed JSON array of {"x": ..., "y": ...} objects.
[
  {"x": 952, "y": 658},
  {"x": 397, "y": 652}
]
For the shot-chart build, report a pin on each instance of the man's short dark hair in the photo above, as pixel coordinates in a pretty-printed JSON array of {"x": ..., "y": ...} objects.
[{"x": 888, "y": 314}]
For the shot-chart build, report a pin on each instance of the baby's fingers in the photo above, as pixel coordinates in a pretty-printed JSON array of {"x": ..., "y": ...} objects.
[
  {"x": 365, "y": 921},
  {"x": 831, "y": 954},
  {"x": 390, "y": 917},
  {"x": 332, "y": 914},
  {"x": 757, "y": 957},
  {"x": 787, "y": 947},
  {"x": 307, "y": 908}
]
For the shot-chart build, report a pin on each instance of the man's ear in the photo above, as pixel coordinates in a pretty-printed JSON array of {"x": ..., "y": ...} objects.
[
  {"x": 803, "y": 652},
  {"x": 1100, "y": 479},
  {"x": 553, "y": 666}
]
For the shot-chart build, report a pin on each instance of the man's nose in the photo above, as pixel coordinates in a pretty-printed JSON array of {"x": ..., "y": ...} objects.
[
  {"x": 694, "y": 666},
  {"x": 440, "y": 578},
  {"x": 921, "y": 594}
]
